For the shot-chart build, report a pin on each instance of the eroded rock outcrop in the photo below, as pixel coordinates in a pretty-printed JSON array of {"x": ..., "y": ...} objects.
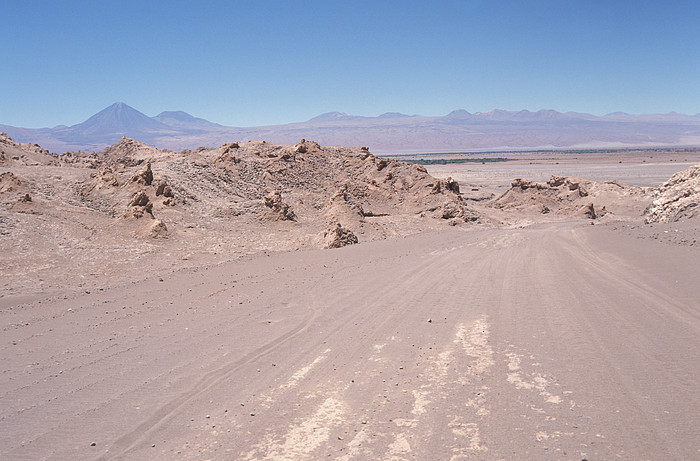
[
  {"x": 137, "y": 190},
  {"x": 570, "y": 197},
  {"x": 276, "y": 208},
  {"x": 677, "y": 199},
  {"x": 105, "y": 179},
  {"x": 164, "y": 189},
  {"x": 455, "y": 213},
  {"x": 27, "y": 154},
  {"x": 158, "y": 229},
  {"x": 130, "y": 152},
  {"x": 11, "y": 184},
  {"x": 143, "y": 176},
  {"x": 448, "y": 184},
  {"x": 139, "y": 205},
  {"x": 338, "y": 236}
]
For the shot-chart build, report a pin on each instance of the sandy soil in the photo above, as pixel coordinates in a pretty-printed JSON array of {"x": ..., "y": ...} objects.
[
  {"x": 558, "y": 341},
  {"x": 523, "y": 335}
]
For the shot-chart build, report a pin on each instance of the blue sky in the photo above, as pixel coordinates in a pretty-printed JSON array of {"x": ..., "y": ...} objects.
[{"x": 247, "y": 63}]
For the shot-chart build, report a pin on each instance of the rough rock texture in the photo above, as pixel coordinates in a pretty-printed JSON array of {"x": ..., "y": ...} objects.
[
  {"x": 96, "y": 212},
  {"x": 567, "y": 197},
  {"x": 158, "y": 229},
  {"x": 455, "y": 214},
  {"x": 589, "y": 211},
  {"x": 25, "y": 154},
  {"x": 338, "y": 236},
  {"x": 448, "y": 184},
  {"x": 677, "y": 199},
  {"x": 279, "y": 210},
  {"x": 144, "y": 176},
  {"x": 162, "y": 188},
  {"x": 96, "y": 215},
  {"x": 128, "y": 152},
  {"x": 11, "y": 185}
]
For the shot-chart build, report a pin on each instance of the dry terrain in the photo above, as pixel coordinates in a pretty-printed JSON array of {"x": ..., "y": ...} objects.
[{"x": 212, "y": 304}]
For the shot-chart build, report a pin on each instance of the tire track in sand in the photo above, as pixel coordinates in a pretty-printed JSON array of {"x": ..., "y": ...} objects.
[{"x": 130, "y": 440}]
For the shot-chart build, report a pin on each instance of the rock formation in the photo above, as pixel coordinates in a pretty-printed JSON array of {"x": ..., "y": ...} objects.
[
  {"x": 677, "y": 199},
  {"x": 338, "y": 236},
  {"x": 279, "y": 210},
  {"x": 566, "y": 197}
]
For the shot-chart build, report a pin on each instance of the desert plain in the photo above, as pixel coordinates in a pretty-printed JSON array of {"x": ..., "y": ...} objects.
[{"x": 256, "y": 301}]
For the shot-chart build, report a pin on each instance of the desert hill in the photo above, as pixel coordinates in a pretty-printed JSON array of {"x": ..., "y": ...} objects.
[
  {"x": 572, "y": 197},
  {"x": 152, "y": 309},
  {"x": 132, "y": 205},
  {"x": 96, "y": 212}
]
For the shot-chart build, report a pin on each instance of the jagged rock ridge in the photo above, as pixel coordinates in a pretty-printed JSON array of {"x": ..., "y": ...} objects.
[
  {"x": 132, "y": 200},
  {"x": 677, "y": 199},
  {"x": 566, "y": 197}
]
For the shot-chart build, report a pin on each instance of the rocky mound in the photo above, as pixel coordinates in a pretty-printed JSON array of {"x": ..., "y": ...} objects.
[
  {"x": 278, "y": 210},
  {"x": 132, "y": 205},
  {"x": 11, "y": 186},
  {"x": 14, "y": 153},
  {"x": 312, "y": 186},
  {"x": 15, "y": 194},
  {"x": 338, "y": 236},
  {"x": 678, "y": 199},
  {"x": 571, "y": 197},
  {"x": 96, "y": 212}
]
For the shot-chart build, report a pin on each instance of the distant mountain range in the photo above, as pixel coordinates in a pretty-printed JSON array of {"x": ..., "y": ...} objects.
[{"x": 390, "y": 132}]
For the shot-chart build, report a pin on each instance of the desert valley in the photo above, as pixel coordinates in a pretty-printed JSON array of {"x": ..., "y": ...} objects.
[{"x": 303, "y": 301}]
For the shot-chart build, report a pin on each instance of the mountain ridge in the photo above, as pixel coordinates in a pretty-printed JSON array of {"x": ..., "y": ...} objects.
[
  {"x": 390, "y": 131},
  {"x": 116, "y": 118},
  {"x": 179, "y": 118}
]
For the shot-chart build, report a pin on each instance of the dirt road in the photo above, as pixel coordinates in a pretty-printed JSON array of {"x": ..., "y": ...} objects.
[{"x": 559, "y": 341}]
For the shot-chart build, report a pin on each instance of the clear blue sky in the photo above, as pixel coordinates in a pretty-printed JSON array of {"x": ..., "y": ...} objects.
[{"x": 246, "y": 63}]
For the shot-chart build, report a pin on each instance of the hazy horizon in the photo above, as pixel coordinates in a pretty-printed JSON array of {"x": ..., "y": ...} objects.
[
  {"x": 390, "y": 132},
  {"x": 255, "y": 64},
  {"x": 377, "y": 115}
]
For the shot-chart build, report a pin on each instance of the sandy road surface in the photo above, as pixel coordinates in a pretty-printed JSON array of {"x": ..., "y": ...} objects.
[{"x": 559, "y": 341}]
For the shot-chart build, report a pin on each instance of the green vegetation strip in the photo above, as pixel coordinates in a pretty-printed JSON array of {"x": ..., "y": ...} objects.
[{"x": 443, "y": 161}]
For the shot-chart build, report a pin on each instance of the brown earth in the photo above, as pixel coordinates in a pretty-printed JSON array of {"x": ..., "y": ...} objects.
[
  {"x": 105, "y": 215},
  {"x": 153, "y": 309}
]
